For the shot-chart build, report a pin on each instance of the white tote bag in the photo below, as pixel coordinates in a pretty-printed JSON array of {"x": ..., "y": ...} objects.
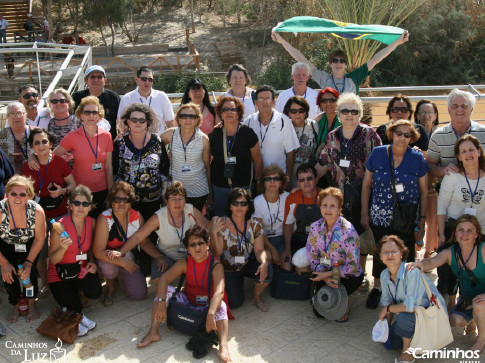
[{"x": 432, "y": 330}]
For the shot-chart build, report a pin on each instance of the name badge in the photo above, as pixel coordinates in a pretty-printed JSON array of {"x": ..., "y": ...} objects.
[
  {"x": 399, "y": 188},
  {"x": 344, "y": 163},
  {"x": 181, "y": 250},
  {"x": 82, "y": 257},
  {"x": 37, "y": 199},
  {"x": 29, "y": 292},
  {"x": 271, "y": 232},
  {"x": 325, "y": 262},
  {"x": 201, "y": 300},
  {"x": 307, "y": 229},
  {"x": 19, "y": 247},
  {"x": 96, "y": 166},
  {"x": 471, "y": 211},
  {"x": 231, "y": 160},
  {"x": 240, "y": 259},
  {"x": 186, "y": 168}
]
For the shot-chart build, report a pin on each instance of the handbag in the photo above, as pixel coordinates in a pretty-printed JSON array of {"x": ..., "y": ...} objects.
[
  {"x": 403, "y": 214},
  {"x": 68, "y": 271},
  {"x": 186, "y": 319},
  {"x": 289, "y": 285},
  {"x": 62, "y": 324},
  {"x": 432, "y": 330},
  {"x": 49, "y": 203}
]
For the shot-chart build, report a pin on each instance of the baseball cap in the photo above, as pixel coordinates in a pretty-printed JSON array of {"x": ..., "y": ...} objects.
[{"x": 95, "y": 68}]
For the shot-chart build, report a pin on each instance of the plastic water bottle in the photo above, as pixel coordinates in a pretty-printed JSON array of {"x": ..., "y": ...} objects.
[
  {"x": 336, "y": 273},
  {"x": 418, "y": 243},
  {"x": 25, "y": 282}
]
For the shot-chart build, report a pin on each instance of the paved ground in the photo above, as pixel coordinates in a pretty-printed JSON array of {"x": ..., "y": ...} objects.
[{"x": 289, "y": 332}]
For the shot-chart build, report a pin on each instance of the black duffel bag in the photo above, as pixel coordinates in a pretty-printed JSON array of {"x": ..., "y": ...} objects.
[{"x": 289, "y": 285}]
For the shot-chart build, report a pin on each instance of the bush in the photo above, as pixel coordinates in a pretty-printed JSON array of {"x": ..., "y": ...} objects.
[{"x": 174, "y": 83}]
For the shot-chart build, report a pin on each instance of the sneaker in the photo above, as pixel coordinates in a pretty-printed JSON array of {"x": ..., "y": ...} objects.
[
  {"x": 90, "y": 325},
  {"x": 82, "y": 330},
  {"x": 373, "y": 299}
]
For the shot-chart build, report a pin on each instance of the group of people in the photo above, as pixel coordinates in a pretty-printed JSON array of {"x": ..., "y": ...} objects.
[{"x": 134, "y": 185}]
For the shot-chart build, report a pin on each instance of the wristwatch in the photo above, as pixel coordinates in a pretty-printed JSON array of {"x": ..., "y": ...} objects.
[{"x": 160, "y": 299}]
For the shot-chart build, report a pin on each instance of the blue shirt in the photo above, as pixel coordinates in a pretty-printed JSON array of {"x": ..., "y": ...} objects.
[
  {"x": 408, "y": 289},
  {"x": 6, "y": 172},
  {"x": 412, "y": 167}
]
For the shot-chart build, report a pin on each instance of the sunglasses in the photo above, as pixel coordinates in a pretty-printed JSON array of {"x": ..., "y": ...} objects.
[
  {"x": 308, "y": 178},
  {"x": 242, "y": 203},
  {"x": 196, "y": 244},
  {"x": 400, "y": 109},
  {"x": 144, "y": 79},
  {"x": 138, "y": 120},
  {"x": 407, "y": 135},
  {"x": 230, "y": 109},
  {"x": 90, "y": 113},
  {"x": 390, "y": 253},
  {"x": 294, "y": 111},
  {"x": 328, "y": 100},
  {"x": 346, "y": 112},
  {"x": 21, "y": 195},
  {"x": 77, "y": 203},
  {"x": 55, "y": 101},
  {"x": 28, "y": 95},
  {"x": 339, "y": 60},
  {"x": 271, "y": 178},
  {"x": 96, "y": 77},
  {"x": 121, "y": 199},
  {"x": 187, "y": 116},
  {"x": 43, "y": 142}
]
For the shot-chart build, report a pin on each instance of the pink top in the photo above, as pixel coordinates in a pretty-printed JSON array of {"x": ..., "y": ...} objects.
[
  {"x": 70, "y": 255},
  {"x": 84, "y": 157},
  {"x": 207, "y": 124}
]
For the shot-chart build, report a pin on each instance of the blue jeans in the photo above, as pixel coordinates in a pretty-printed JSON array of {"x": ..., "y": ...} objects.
[
  {"x": 3, "y": 35},
  {"x": 220, "y": 196},
  {"x": 403, "y": 327},
  {"x": 154, "y": 270},
  {"x": 278, "y": 242}
]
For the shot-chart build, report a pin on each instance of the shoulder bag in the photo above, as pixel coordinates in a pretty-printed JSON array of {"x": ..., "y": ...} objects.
[{"x": 62, "y": 324}]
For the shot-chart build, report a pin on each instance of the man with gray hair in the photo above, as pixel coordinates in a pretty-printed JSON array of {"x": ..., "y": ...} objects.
[{"x": 300, "y": 74}]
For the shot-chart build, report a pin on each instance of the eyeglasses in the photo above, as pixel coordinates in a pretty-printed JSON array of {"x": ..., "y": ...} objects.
[
  {"x": 390, "y": 253},
  {"x": 242, "y": 203},
  {"x": 456, "y": 106},
  {"x": 308, "y": 178},
  {"x": 21, "y": 195},
  {"x": 176, "y": 200},
  {"x": 271, "y": 178},
  {"x": 145, "y": 79},
  {"x": 346, "y": 112},
  {"x": 339, "y": 60},
  {"x": 96, "y": 77},
  {"x": 407, "y": 135},
  {"x": 328, "y": 100},
  {"x": 422, "y": 113},
  {"x": 230, "y": 109},
  {"x": 28, "y": 95},
  {"x": 90, "y": 113},
  {"x": 138, "y": 120},
  {"x": 77, "y": 203},
  {"x": 400, "y": 109},
  {"x": 121, "y": 199},
  {"x": 43, "y": 142},
  {"x": 266, "y": 99},
  {"x": 196, "y": 244},
  {"x": 294, "y": 111},
  {"x": 16, "y": 114},
  {"x": 187, "y": 116},
  {"x": 55, "y": 101}
]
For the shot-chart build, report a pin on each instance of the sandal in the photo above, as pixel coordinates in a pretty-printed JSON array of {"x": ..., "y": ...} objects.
[
  {"x": 261, "y": 305},
  {"x": 108, "y": 300},
  {"x": 43, "y": 292}
]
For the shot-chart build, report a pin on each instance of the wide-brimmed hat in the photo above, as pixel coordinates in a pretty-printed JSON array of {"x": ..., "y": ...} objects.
[{"x": 331, "y": 303}]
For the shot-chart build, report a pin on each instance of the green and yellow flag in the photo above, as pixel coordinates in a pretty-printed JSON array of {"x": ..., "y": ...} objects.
[{"x": 310, "y": 24}]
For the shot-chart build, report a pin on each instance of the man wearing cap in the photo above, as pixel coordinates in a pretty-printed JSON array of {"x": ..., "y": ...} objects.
[
  {"x": 3, "y": 29},
  {"x": 300, "y": 74},
  {"x": 36, "y": 116},
  {"x": 95, "y": 78},
  {"x": 144, "y": 93}
]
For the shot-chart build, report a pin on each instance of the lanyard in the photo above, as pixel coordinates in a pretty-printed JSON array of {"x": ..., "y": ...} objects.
[
  {"x": 343, "y": 88},
  {"x": 83, "y": 234},
  {"x": 394, "y": 297},
  {"x": 89, "y": 142},
  {"x": 294, "y": 94},
  {"x": 180, "y": 235},
  {"x": 185, "y": 146},
  {"x": 41, "y": 182},
  {"x": 139, "y": 152},
  {"x": 13, "y": 220},
  {"x": 347, "y": 146},
  {"x": 275, "y": 215},
  {"x": 231, "y": 139},
  {"x": 468, "y": 259},
  {"x": 17, "y": 142},
  {"x": 469, "y": 186},
  {"x": 120, "y": 228},
  {"x": 38, "y": 119},
  {"x": 149, "y": 102},
  {"x": 456, "y": 133},
  {"x": 243, "y": 235},
  {"x": 203, "y": 276},
  {"x": 313, "y": 206},
  {"x": 302, "y": 132},
  {"x": 261, "y": 127}
]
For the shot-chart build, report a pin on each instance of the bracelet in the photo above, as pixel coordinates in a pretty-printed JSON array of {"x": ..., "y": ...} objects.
[
  {"x": 160, "y": 299},
  {"x": 26, "y": 260}
]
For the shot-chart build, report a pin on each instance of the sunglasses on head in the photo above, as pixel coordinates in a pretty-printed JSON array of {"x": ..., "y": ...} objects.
[
  {"x": 196, "y": 244},
  {"x": 407, "y": 135},
  {"x": 308, "y": 178},
  {"x": 242, "y": 203},
  {"x": 271, "y": 178},
  {"x": 90, "y": 113},
  {"x": 28, "y": 95},
  {"x": 400, "y": 109},
  {"x": 294, "y": 111},
  {"x": 43, "y": 142},
  {"x": 346, "y": 112},
  {"x": 144, "y": 79},
  {"x": 77, "y": 203},
  {"x": 55, "y": 101},
  {"x": 121, "y": 199},
  {"x": 21, "y": 195},
  {"x": 230, "y": 109},
  {"x": 328, "y": 100},
  {"x": 187, "y": 116},
  {"x": 138, "y": 120},
  {"x": 339, "y": 60}
]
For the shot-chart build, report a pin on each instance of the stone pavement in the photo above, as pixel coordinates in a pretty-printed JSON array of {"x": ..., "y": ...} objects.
[{"x": 289, "y": 332}]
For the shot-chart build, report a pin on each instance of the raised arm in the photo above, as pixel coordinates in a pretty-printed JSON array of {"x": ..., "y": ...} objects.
[
  {"x": 383, "y": 53},
  {"x": 295, "y": 53}
]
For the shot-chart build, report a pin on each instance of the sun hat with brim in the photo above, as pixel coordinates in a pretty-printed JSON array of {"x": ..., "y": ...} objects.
[
  {"x": 95, "y": 68},
  {"x": 331, "y": 303}
]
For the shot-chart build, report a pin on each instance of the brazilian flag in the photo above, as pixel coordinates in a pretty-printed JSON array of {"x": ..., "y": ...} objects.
[{"x": 310, "y": 24}]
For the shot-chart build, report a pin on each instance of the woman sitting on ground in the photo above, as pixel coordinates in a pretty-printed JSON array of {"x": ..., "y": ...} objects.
[{"x": 196, "y": 241}]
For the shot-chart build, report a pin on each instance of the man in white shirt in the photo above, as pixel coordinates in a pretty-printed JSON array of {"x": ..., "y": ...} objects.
[
  {"x": 145, "y": 93},
  {"x": 275, "y": 131},
  {"x": 300, "y": 74},
  {"x": 30, "y": 98},
  {"x": 3, "y": 29}
]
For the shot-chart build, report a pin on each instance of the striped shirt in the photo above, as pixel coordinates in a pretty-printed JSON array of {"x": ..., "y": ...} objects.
[
  {"x": 442, "y": 142},
  {"x": 187, "y": 166}
]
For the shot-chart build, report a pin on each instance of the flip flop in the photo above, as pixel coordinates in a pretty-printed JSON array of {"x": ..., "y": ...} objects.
[
  {"x": 43, "y": 292},
  {"x": 261, "y": 305},
  {"x": 108, "y": 300}
]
